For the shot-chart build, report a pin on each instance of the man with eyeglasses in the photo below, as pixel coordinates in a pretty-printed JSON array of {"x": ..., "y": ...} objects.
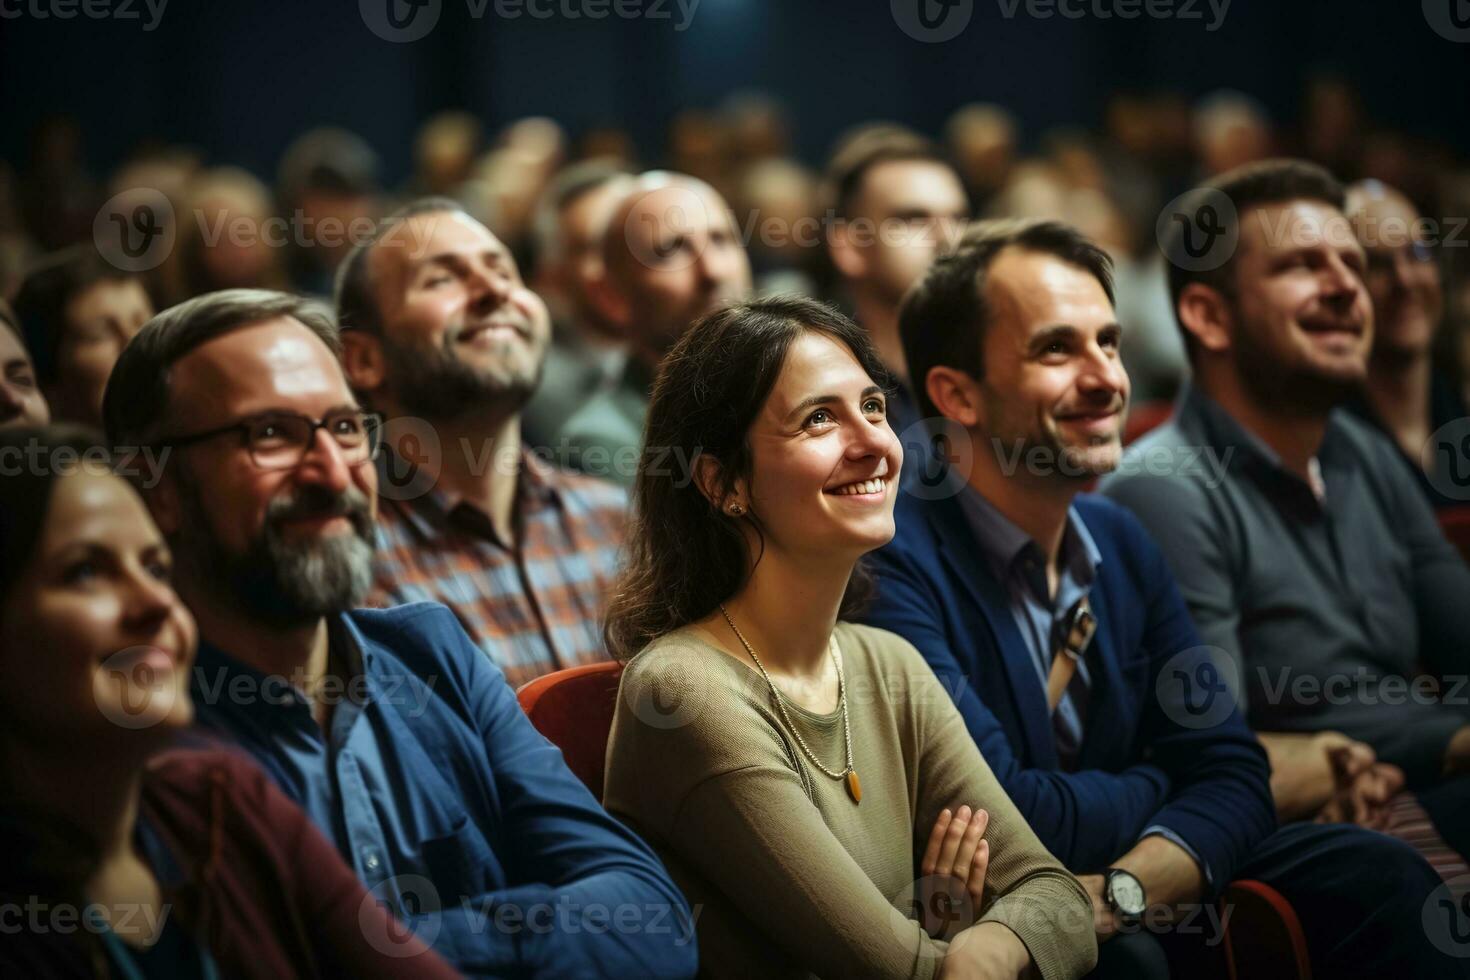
[
  {"x": 1404, "y": 395},
  {"x": 388, "y": 727}
]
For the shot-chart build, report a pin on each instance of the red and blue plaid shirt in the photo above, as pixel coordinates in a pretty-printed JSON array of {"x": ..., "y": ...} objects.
[{"x": 532, "y": 607}]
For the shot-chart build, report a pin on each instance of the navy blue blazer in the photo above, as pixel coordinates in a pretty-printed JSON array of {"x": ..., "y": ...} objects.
[{"x": 1163, "y": 747}]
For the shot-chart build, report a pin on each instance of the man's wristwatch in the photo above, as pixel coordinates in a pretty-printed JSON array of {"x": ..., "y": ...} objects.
[{"x": 1124, "y": 893}]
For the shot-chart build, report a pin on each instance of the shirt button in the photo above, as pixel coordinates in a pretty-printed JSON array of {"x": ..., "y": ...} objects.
[{"x": 371, "y": 861}]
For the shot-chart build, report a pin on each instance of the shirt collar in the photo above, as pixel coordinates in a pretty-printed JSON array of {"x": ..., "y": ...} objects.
[
  {"x": 1217, "y": 428},
  {"x": 1003, "y": 543},
  {"x": 230, "y": 686},
  {"x": 431, "y": 513}
]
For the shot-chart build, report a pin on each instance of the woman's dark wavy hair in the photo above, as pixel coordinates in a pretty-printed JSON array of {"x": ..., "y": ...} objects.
[{"x": 684, "y": 555}]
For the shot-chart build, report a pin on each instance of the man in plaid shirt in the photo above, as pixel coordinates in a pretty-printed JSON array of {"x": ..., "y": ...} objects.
[{"x": 442, "y": 336}]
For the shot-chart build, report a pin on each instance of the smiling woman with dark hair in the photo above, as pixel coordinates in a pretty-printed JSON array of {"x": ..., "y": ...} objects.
[
  {"x": 129, "y": 855},
  {"x": 807, "y": 780}
]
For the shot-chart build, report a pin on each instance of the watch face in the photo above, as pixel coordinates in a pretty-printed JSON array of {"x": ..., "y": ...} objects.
[{"x": 1126, "y": 893}]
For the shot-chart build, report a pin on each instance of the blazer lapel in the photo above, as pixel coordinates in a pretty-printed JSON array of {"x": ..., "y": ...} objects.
[{"x": 960, "y": 552}]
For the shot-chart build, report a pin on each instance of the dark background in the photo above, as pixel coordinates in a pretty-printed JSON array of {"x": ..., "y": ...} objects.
[{"x": 239, "y": 79}]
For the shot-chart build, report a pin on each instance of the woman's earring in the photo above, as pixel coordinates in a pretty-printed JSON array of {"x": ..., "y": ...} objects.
[{"x": 736, "y": 510}]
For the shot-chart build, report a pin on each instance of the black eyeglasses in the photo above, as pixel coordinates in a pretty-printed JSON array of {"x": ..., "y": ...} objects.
[{"x": 281, "y": 440}]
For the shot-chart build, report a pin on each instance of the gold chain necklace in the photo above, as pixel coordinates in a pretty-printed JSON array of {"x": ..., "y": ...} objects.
[{"x": 854, "y": 786}]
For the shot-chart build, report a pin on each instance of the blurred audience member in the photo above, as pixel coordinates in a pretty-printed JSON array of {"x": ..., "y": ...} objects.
[
  {"x": 58, "y": 198},
  {"x": 779, "y": 201},
  {"x": 740, "y": 576},
  {"x": 896, "y": 203},
  {"x": 605, "y": 142},
  {"x": 328, "y": 190},
  {"x": 444, "y": 153},
  {"x": 981, "y": 138},
  {"x": 21, "y": 400},
  {"x": 1405, "y": 396},
  {"x": 671, "y": 254},
  {"x": 1230, "y": 130},
  {"x": 440, "y": 331},
  {"x": 1332, "y": 126},
  {"x": 1304, "y": 547},
  {"x": 399, "y": 738},
  {"x": 229, "y": 237},
  {"x": 173, "y": 861},
  {"x": 587, "y": 352},
  {"x": 78, "y": 312}
]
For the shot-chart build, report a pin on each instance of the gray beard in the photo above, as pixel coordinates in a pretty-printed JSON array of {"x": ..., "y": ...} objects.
[{"x": 281, "y": 583}]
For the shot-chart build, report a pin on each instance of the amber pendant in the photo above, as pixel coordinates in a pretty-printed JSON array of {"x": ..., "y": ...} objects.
[{"x": 854, "y": 787}]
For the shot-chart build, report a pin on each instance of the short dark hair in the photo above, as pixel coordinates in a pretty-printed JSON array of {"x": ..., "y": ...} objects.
[
  {"x": 9, "y": 319},
  {"x": 860, "y": 150},
  {"x": 1249, "y": 186},
  {"x": 945, "y": 315},
  {"x": 47, "y": 288},
  {"x": 137, "y": 396},
  {"x": 357, "y": 306},
  {"x": 565, "y": 189},
  {"x": 683, "y": 554}
]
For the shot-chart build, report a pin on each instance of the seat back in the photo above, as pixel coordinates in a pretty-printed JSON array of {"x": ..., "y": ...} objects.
[
  {"x": 574, "y": 709},
  {"x": 1264, "y": 938},
  {"x": 1455, "y": 522}
]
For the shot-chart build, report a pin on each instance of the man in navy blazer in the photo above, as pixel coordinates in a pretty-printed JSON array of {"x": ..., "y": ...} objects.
[{"x": 1056, "y": 625}]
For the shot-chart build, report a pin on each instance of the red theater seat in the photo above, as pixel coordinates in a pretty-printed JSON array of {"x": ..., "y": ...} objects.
[
  {"x": 1145, "y": 416},
  {"x": 1456, "y": 524},
  {"x": 574, "y": 709}
]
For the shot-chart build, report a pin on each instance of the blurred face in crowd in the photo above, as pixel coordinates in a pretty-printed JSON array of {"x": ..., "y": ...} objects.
[
  {"x": 290, "y": 542},
  {"x": 824, "y": 462},
  {"x": 230, "y": 242},
  {"x": 577, "y": 267},
  {"x": 21, "y": 401},
  {"x": 674, "y": 254},
  {"x": 904, "y": 214},
  {"x": 1053, "y": 377},
  {"x": 1402, "y": 275},
  {"x": 99, "y": 322},
  {"x": 461, "y": 331},
  {"x": 95, "y": 641},
  {"x": 1300, "y": 323}
]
